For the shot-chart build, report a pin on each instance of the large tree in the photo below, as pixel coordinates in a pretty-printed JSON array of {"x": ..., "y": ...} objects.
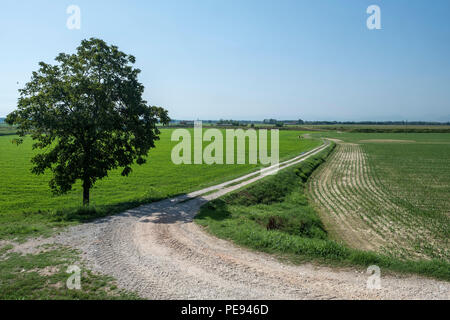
[{"x": 87, "y": 115}]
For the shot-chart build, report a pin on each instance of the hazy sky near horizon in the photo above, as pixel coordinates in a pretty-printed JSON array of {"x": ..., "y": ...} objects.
[{"x": 314, "y": 60}]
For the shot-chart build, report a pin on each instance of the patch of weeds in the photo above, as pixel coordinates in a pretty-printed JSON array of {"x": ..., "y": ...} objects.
[
  {"x": 5, "y": 249},
  {"x": 44, "y": 276}
]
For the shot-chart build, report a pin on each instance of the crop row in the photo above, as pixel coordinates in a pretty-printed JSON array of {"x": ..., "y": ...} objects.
[{"x": 361, "y": 211}]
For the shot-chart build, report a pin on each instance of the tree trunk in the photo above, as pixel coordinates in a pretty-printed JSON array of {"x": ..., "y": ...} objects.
[{"x": 86, "y": 188}]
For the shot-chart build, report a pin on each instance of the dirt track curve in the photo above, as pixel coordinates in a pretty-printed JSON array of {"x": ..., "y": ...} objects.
[{"x": 157, "y": 251}]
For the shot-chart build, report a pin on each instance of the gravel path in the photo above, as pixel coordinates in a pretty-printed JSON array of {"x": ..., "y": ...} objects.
[{"x": 157, "y": 251}]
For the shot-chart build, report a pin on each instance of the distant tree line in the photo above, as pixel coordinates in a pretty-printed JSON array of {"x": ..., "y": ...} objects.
[
  {"x": 229, "y": 122},
  {"x": 276, "y": 122},
  {"x": 413, "y": 123},
  {"x": 281, "y": 123}
]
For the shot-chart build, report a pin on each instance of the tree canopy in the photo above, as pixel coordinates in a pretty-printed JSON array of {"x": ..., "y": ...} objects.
[{"x": 87, "y": 115}]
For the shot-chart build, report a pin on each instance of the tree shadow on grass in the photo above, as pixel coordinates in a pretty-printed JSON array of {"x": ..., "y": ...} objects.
[
  {"x": 168, "y": 211},
  {"x": 91, "y": 213},
  {"x": 180, "y": 208},
  {"x": 150, "y": 209}
]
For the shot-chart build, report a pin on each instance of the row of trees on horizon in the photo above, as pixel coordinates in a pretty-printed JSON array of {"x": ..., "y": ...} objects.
[
  {"x": 307, "y": 122},
  {"x": 314, "y": 122}
]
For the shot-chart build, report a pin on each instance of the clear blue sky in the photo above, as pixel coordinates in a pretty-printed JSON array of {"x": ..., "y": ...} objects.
[{"x": 250, "y": 59}]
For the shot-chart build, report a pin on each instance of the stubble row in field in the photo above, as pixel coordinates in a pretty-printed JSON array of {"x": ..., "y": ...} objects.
[{"x": 388, "y": 197}]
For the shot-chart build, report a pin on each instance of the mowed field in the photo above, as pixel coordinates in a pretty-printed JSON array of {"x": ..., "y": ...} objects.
[
  {"x": 388, "y": 193},
  {"x": 29, "y": 208}
]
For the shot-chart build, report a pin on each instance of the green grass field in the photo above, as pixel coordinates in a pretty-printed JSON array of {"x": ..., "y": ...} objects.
[
  {"x": 29, "y": 208},
  {"x": 275, "y": 215}
]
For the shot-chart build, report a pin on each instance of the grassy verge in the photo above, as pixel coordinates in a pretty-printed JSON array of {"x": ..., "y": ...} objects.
[
  {"x": 43, "y": 276},
  {"x": 274, "y": 216}
]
